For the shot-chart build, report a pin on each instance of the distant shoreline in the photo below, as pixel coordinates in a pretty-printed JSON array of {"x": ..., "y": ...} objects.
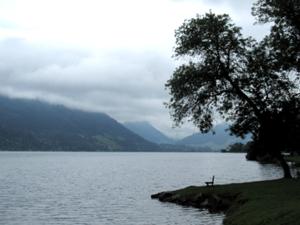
[{"x": 110, "y": 151}]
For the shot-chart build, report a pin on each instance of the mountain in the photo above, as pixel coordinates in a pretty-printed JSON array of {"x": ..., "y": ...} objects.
[
  {"x": 221, "y": 139},
  {"x": 148, "y": 132},
  {"x": 34, "y": 125}
]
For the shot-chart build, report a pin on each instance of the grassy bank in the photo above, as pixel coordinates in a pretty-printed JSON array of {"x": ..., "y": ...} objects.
[
  {"x": 294, "y": 159},
  {"x": 274, "y": 202}
]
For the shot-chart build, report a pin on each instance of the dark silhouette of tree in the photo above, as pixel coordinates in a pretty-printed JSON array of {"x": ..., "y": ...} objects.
[
  {"x": 285, "y": 32},
  {"x": 237, "y": 147},
  {"x": 284, "y": 45},
  {"x": 234, "y": 77}
]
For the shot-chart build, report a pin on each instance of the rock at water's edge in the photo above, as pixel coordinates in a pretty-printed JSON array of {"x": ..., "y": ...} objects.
[{"x": 212, "y": 202}]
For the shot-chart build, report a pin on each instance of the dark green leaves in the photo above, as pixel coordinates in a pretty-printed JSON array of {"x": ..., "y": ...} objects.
[
  {"x": 209, "y": 82},
  {"x": 253, "y": 85},
  {"x": 228, "y": 75},
  {"x": 285, "y": 33}
]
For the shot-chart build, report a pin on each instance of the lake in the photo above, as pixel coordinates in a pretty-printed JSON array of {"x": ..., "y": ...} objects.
[{"x": 102, "y": 188}]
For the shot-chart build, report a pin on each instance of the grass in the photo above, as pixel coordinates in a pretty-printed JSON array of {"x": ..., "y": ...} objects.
[
  {"x": 294, "y": 159},
  {"x": 274, "y": 202}
]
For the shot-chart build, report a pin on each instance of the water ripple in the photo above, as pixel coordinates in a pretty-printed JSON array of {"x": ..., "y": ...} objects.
[{"x": 112, "y": 188}]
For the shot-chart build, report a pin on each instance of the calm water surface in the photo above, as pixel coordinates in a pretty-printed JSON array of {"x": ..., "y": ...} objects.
[{"x": 58, "y": 188}]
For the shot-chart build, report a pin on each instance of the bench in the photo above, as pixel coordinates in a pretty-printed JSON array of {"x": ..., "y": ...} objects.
[{"x": 210, "y": 183}]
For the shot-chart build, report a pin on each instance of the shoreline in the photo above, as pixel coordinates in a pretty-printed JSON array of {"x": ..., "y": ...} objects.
[{"x": 273, "y": 202}]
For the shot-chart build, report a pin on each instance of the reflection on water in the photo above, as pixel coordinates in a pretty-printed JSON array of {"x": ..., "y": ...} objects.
[{"x": 112, "y": 188}]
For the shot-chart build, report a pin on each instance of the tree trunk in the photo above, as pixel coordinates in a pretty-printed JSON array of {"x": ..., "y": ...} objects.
[
  {"x": 284, "y": 165},
  {"x": 271, "y": 136}
]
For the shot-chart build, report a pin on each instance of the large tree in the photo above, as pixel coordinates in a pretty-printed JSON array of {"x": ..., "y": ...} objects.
[
  {"x": 236, "y": 78},
  {"x": 285, "y": 31}
]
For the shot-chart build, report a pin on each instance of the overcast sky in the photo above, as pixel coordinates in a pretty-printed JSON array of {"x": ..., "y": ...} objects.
[{"x": 112, "y": 56}]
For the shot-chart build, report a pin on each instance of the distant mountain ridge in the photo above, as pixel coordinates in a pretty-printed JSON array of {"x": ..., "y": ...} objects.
[
  {"x": 221, "y": 139},
  {"x": 195, "y": 142},
  {"x": 38, "y": 126},
  {"x": 35, "y": 125},
  {"x": 148, "y": 132}
]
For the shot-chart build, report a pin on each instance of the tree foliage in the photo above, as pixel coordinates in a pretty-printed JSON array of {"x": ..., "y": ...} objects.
[
  {"x": 285, "y": 31},
  {"x": 208, "y": 81},
  {"x": 253, "y": 85},
  {"x": 238, "y": 147},
  {"x": 278, "y": 11}
]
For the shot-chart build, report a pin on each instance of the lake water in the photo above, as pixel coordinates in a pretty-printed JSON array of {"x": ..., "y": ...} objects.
[{"x": 85, "y": 188}]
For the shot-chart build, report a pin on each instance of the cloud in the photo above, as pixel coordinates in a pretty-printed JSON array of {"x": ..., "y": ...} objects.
[
  {"x": 128, "y": 85},
  {"x": 233, "y": 4},
  {"x": 109, "y": 56}
]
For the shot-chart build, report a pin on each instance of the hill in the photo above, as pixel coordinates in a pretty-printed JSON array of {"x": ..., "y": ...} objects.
[
  {"x": 35, "y": 125},
  {"x": 221, "y": 139},
  {"x": 166, "y": 144},
  {"x": 148, "y": 132}
]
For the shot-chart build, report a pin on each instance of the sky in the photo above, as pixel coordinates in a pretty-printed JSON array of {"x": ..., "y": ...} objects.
[{"x": 108, "y": 56}]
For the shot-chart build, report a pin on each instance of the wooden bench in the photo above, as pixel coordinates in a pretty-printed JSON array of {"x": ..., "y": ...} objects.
[{"x": 210, "y": 183}]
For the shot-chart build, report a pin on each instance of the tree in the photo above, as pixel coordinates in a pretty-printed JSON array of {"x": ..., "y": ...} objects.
[
  {"x": 285, "y": 31},
  {"x": 284, "y": 40},
  {"x": 234, "y": 77},
  {"x": 237, "y": 147}
]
